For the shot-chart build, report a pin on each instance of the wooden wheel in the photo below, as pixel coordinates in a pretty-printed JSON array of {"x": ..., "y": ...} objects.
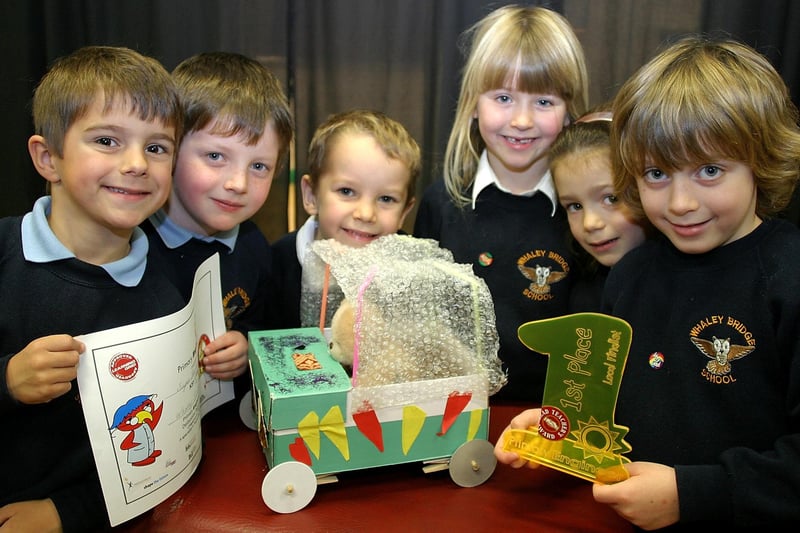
[
  {"x": 246, "y": 411},
  {"x": 472, "y": 463},
  {"x": 289, "y": 487}
]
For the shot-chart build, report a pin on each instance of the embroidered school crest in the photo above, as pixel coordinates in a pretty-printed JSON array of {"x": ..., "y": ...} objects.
[
  {"x": 713, "y": 338},
  {"x": 541, "y": 277},
  {"x": 721, "y": 352},
  {"x": 234, "y": 303},
  {"x": 542, "y": 268}
]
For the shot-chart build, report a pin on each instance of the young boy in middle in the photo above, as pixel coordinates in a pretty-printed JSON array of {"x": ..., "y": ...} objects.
[
  {"x": 363, "y": 169},
  {"x": 238, "y": 127}
]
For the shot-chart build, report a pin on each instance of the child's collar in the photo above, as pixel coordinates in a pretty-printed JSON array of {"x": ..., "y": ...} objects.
[
  {"x": 485, "y": 176},
  {"x": 174, "y": 235},
  {"x": 40, "y": 245}
]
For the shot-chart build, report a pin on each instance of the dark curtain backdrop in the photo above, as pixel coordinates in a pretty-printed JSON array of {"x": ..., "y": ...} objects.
[{"x": 399, "y": 56}]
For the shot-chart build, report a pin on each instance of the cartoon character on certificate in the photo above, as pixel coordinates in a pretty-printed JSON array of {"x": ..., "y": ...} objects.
[{"x": 139, "y": 416}]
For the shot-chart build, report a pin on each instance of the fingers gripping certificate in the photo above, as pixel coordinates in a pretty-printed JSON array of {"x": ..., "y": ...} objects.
[{"x": 143, "y": 394}]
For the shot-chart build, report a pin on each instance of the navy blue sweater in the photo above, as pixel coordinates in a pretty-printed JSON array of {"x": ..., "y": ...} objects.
[
  {"x": 520, "y": 235},
  {"x": 44, "y": 450},
  {"x": 244, "y": 273},
  {"x": 723, "y": 408}
]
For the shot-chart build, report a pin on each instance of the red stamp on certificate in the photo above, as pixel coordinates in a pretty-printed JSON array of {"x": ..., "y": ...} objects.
[{"x": 123, "y": 366}]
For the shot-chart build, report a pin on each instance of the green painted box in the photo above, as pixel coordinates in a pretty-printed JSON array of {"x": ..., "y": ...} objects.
[
  {"x": 285, "y": 389},
  {"x": 315, "y": 416}
]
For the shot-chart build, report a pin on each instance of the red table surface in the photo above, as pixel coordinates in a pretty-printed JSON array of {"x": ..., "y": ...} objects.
[{"x": 224, "y": 494}]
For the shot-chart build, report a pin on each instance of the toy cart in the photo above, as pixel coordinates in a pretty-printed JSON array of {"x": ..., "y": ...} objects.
[{"x": 312, "y": 423}]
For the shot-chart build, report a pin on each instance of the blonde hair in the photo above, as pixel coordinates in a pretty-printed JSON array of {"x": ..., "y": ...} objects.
[
  {"x": 236, "y": 94},
  {"x": 391, "y": 136},
  {"x": 535, "y": 47},
  {"x": 119, "y": 75},
  {"x": 700, "y": 100}
]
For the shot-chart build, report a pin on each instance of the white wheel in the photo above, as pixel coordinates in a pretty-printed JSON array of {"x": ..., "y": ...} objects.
[
  {"x": 472, "y": 463},
  {"x": 246, "y": 411},
  {"x": 288, "y": 487}
]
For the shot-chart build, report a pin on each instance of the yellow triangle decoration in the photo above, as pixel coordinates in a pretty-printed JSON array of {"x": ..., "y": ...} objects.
[
  {"x": 474, "y": 423},
  {"x": 308, "y": 428},
  {"x": 333, "y": 428},
  {"x": 413, "y": 419}
]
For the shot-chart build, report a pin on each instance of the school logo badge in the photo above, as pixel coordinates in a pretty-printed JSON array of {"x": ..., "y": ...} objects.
[
  {"x": 545, "y": 269},
  {"x": 721, "y": 352},
  {"x": 234, "y": 304},
  {"x": 717, "y": 346}
]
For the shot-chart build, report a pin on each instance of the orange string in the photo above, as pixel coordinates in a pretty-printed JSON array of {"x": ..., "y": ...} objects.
[{"x": 323, "y": 309}]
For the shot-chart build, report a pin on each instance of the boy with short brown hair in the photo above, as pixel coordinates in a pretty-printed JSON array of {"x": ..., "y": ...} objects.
[{"x": 107, "y": 124}]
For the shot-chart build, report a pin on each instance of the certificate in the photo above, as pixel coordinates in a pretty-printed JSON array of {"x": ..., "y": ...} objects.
[{"x": 143, "y": 394}]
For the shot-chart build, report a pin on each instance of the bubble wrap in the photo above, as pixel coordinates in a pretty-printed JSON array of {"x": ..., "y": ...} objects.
[
  {"x": 418, "y": 316},
  {"x": 311, "y": 293}
]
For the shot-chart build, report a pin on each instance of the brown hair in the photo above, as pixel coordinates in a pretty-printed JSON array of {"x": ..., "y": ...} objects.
[
  {"x": 236, "y": 94},
  {"x": 702, "y": 99},
  {"x": 117, "y": 74},
  {"x": 391, "y": 136},
  {"x": 590, "y": 132}
]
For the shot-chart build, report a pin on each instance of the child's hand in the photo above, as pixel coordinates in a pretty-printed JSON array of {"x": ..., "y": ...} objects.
[
  {"x": 524, "y": 420},
  {"x": 648, "y": 499},
  {"x": 33, "y": 515},
  {"x": 226, "y": 356},
  {"x": 44, "y": 369}
]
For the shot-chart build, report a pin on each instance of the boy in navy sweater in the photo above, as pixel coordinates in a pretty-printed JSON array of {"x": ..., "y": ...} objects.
[
  {"x": 237, "y": 130},
  {"x": 360, "y": 186},
  {"x": 107, "y": 125}
]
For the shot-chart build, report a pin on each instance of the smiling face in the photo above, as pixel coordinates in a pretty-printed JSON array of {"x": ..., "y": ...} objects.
[
  {"x": 700, "y": 207},
  {"x": 361, "y": 194},
  {"x": 518, "y": 129},
  {"x": 600, "y": 223},
  {"x": 221, "y": 181},
  {"x": 115, "y": 171}
]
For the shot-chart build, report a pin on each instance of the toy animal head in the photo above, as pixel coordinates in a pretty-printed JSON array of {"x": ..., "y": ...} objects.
[{"x": 342, "y": 333}]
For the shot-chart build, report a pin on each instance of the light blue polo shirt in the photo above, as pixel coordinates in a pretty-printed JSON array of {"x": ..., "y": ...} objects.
[
  {"x": 175, "y": 236},
  {"x": 40, "y": 245}
]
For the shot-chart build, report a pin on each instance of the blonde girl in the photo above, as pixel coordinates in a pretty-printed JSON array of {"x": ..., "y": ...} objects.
[{"x": 524, "y": 80}]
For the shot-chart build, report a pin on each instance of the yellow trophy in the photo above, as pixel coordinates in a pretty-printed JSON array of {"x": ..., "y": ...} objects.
[{"x": 576, "y": 432}]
